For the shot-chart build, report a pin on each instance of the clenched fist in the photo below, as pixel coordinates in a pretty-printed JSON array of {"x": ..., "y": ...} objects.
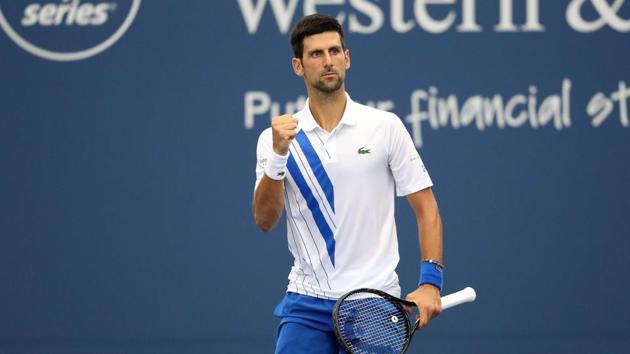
[{"x": 284, "y": 130}]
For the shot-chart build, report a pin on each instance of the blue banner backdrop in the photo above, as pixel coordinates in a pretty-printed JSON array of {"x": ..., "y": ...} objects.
[{"x": 127, "y": 148}]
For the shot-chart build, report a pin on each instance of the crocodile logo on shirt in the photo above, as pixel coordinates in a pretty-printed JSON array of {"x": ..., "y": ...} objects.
[{"x": 362, "y": 151}]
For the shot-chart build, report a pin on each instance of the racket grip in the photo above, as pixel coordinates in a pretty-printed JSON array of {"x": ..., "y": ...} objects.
[{"x": 465, "y": 295}]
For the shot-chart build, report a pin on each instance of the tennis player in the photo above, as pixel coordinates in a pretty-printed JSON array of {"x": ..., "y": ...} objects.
[{"x": 335, "y": 167}]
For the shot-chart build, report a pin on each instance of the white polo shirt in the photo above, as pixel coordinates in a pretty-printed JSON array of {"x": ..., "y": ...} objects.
[{"x": 339, "y": 199}]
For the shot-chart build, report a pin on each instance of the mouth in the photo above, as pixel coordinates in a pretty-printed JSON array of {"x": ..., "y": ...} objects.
[{"x": 329, "y": 74}]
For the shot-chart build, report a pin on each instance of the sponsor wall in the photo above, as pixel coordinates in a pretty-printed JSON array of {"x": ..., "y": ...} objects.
[{"x": 127, "y": 141}]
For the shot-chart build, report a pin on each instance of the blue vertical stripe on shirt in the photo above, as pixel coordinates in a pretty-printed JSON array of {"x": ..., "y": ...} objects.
[
  {"x": 313, "y": 205},
  {"x": 317, "y": 167}
]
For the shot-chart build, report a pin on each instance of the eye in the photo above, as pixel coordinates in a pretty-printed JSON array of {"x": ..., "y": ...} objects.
[
  {"x": 335, "y": 51},
  {"x": 316, "y": 54}
]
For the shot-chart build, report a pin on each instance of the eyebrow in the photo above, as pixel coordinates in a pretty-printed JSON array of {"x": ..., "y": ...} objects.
[{"x": 336, "y": 46}]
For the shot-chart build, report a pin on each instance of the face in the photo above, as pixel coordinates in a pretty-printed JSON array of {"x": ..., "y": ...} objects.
[{"x": 324, "y": 62}]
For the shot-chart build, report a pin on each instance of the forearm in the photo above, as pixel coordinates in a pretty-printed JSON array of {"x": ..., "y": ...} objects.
[
  {"x": 429, "y": 223},
  {"x": 268, "y": 203},
  {"x": 427, "y": 295},
  {"x": 269, "y": 195},
  {"x": 430, "y": 235}
]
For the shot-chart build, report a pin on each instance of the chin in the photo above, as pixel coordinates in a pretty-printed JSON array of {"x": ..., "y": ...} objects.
[{"x": 329, "y": 88}]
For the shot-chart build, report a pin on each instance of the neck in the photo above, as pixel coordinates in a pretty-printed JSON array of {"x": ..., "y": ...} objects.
[{"x": 327, "y": 108}]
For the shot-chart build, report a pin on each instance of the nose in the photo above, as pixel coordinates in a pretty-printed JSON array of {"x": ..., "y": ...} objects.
[{"x": 327, "y": 59}]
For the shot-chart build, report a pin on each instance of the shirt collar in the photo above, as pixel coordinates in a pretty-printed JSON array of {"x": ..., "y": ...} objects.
[{"x": 308, "y": 123}]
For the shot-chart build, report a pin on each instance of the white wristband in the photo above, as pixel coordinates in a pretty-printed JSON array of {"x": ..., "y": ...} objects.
[{"x": 276, "y": 168}]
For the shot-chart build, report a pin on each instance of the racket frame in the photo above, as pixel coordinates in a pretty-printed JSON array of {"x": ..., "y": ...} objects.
[
  {"x": 465, "y": 295},
  {"x": 394, "y": 300}
]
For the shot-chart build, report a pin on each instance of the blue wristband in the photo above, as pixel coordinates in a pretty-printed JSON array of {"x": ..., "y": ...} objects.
[{"x": 431, "y": 273}]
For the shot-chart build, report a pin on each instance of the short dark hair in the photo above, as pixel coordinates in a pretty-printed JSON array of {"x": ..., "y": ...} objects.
[{"x": 311, "y": 25}]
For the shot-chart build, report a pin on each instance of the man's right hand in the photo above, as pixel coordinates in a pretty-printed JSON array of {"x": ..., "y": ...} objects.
[{"x": 284, "y": 130}]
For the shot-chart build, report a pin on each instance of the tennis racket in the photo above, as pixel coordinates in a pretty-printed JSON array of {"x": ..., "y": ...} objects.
[{"x": 372, "y": 321}]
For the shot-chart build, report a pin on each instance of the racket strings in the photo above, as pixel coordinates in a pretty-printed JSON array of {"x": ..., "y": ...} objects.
[{"x": 373, "y": 325}]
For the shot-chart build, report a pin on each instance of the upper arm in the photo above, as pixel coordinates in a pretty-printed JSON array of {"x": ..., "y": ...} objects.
[
  {"x": 263, "y": 150},
  {"x": 408, "y": 170},
  {"x": 423, "y": 202}
]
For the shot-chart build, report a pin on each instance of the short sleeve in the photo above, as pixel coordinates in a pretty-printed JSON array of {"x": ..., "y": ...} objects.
[
  {"x": 263, "y": 150},
  {"x": 410, "y": 174}
]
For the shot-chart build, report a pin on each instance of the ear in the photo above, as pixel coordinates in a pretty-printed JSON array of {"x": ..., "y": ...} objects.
[
  {"x": 297, "y": 66},
  {"x": 346, "y": 54}
]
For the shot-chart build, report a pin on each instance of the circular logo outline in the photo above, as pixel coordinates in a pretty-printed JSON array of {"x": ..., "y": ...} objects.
[{"x": 70, "y": 56}]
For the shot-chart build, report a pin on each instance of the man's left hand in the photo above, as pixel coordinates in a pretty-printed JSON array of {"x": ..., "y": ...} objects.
[{"x": 427, "y": 298}]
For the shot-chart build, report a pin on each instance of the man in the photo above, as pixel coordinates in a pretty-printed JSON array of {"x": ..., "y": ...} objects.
[{"x": 334, "y": 167}]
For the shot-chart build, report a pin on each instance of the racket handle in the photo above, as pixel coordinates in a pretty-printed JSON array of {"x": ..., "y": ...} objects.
[{"x": 466, "y": 295}]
